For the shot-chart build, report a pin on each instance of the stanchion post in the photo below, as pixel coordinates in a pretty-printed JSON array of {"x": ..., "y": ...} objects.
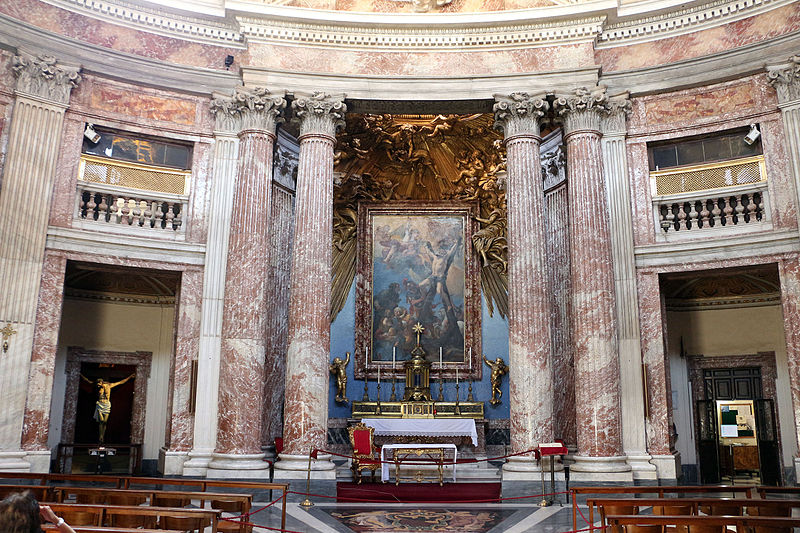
[{"x": 307, "y": 502}]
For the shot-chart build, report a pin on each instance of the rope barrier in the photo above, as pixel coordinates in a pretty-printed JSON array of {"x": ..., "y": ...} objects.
[
  {"x": 444, "y": 462},
  {"x": 366, "y": 500}
]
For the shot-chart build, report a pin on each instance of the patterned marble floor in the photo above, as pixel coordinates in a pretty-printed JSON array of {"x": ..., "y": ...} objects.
[{"x": 389, "y": 518}]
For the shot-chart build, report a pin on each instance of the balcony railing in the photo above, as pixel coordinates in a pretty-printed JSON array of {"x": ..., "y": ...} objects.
[
  {"x": 722, "y": 195},
  {"x": 111, "y": 193}
]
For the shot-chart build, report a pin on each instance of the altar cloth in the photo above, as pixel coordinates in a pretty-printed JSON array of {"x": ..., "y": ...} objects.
[{"x": 424, "y": 427}]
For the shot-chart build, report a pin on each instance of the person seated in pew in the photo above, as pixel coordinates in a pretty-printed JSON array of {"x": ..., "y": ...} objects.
[{"x": 21, "y": 513}]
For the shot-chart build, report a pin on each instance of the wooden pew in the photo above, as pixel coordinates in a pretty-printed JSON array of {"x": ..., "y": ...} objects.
[
  {"x": 660, "y": 490},
  {"x": 98, "y": 529},
  {"x": 39, "y": 492},
  {"x": 101, "y": 514},
  {"x": 758, "y": 523},
  {"x": 739, "y": 505},
  {"x": 764, "y": 490},
  {"x": 228, "y": 502}
]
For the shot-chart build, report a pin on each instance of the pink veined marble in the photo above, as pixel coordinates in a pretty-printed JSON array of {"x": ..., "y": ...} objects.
[
  {"x": 244, "y": 324},
  {"x": 36, "y": 423},
  {"x": 789, "y": 270},
  {"x": 530, "y": 376},
  {"x": 306, "y": 404},
  {"x": 593, "y": 322}
]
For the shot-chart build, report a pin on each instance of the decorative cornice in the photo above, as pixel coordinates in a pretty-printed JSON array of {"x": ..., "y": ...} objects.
[
  {"x": 42, "y": 76},
  {"x": 249, "y": 108},
  {"x": 617, "y": 110},
  {"x": 583, "y": 109},
  {"x": 155, "y": 20},
  {"x": 420, "y": 37},
  {"x": 319, "y": 114},
  {"x": 519, "y": 113},
  {"x": 786, "y": 79},
  {"x": 684, "y": 21}
]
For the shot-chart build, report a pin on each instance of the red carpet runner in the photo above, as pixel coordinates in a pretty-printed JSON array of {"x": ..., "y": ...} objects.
[{"x": 417, "y": 492}]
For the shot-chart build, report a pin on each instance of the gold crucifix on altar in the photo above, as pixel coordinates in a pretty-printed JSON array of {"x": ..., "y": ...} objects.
[
  {"x": 7, "y": 332},
  {"x": 418, "y": 370}
]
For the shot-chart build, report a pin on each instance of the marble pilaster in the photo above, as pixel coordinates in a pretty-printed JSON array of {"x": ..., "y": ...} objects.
[
  {"x": 634, "y": 440},
  {"x": 789, "y": 270},
  {"x": 306, "y": 404},
  {"x": 530, "y": 371},
  {"x": 41, "y": 98},
  {"x": 243, "y": 344},
  {"x": 786, "y": 80},
  {"x": 594, "y": 329},
  {"x": 226, "y": 155}
]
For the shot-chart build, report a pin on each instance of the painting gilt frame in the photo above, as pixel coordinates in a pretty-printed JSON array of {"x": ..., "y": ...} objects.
[{"x": 415, "y": 263}]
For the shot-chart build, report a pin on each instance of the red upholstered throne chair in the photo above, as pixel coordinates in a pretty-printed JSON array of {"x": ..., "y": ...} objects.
[{"x": 361, "y": 438}]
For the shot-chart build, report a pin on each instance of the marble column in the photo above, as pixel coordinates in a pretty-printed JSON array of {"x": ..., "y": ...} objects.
[
  {"x": 634, "y": 440},
  {"x": 786, "y": 80},
  {"x": 594, "y": 328},
  {"x": 530, "y": 373},
  {"x": 41, "y": 98},
  {"x": 789, "y": 270},
  {"x": 243, "y": 345},
  {"x": 306, "y": 404},
  {"x": 226, "y": 156}
]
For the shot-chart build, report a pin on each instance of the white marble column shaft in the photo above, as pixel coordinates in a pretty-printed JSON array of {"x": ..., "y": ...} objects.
[
  {"x": 634, "y": 439},
  {"x": 530, "y": 372},
  {"x": 594, "y": 329},
  {"x": 42, "y": 96},
  {"x": 306, "y": 404}
]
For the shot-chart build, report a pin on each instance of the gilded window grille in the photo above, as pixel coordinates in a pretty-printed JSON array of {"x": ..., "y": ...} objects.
[
  {"x": 744, "y": 171},
  {"x": 135, "y": 176}
]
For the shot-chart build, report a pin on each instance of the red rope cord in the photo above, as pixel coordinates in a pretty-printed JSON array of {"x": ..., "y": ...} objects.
[{"x": 443, "y": 462}]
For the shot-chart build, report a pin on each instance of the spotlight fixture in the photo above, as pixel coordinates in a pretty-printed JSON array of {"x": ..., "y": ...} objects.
[
  {"x": 753, "y": 135},
  {"x": 228, "y": 62},
  {"x": 90, "y": 134}
]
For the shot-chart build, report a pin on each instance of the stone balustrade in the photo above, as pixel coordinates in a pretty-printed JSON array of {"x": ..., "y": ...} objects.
[
  {"x": 714, "y": 209},
  {"x": 125, "y": 207}
]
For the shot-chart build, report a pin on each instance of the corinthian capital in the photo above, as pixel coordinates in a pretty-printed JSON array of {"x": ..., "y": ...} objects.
[
  {"x": 786, "y": 79},
  {"x": 42, "y": 76},
  {"x": 248, "y": 109},
  {"x": 519, "y": 113},
  {"x": 617, "y": 109},
  {"x": 583, "y": 109},
  {"x": 320, "y": 113}
]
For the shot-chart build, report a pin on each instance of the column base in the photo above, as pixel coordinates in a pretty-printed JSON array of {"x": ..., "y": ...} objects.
[
  {"x": 598, "y": 469},
  {"x": 39, "y": 460},
  {"x": 296, "y": 467},
  {"x": 14, "y": 461},
  {"x": 796, "y": 461},
  {"x": 237, "y": 466},
  {"x": 171, "y": 463},
  {"x": 197, "y": 463},
  {"x": 641, "y": 467},
  {"x": 668, "y": 466},
  {"x": 521, "y": 468}
]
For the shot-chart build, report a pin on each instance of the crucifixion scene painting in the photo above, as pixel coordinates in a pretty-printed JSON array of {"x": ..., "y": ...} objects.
[{"x": 418, "y": 276}]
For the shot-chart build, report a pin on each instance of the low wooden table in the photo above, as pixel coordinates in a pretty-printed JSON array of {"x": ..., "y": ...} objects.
[{"x": 401, "y": 453}]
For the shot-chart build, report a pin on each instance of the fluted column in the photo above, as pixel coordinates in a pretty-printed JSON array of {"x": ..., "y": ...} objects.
[
  {"x": 243, "y": 342},
  {"x": 594, "y": 329},
  {"x": 634, "y": 440},
  {"x": 306, "y": 405},
  {"x": 226, "y": 155},
  {"x": 530, "y": 374},
  {"x": 786, "y": 80},
  {"x": 42, "y": 96}
]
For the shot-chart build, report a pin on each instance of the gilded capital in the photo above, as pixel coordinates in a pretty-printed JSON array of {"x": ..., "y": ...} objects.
[
  {"x": 248, "y": 109},
  {"x": 519, "y": 113},
  {"x": 786, "y": 79},
  {"x": 42, "y": 76},
  {"x": 583, "y": 109},
  {"x": 319, "y": 113},
  {"x": 617, "y": 109}
]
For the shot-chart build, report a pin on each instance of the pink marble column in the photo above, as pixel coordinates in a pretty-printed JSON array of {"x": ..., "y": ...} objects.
[
  {"x": 36, "y": 425},
  {"x": 306, "y": 404},
  {"x": 594, "y": 329},
  {"x": 530, "y": 374},
  {"x": 789, "y": 270},
  {"x": 241, "y": 373}
]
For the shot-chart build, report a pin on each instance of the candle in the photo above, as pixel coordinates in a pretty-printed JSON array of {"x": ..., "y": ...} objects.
[
  {"x": 470, "y": 359},
  {"x": 379, "y": 374},
  {"x": 440, "y": 357},
  {"x": 366, "y": 357},
  {"x": 456, "y": 375},
  {"x": 394, "y": 349}
]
